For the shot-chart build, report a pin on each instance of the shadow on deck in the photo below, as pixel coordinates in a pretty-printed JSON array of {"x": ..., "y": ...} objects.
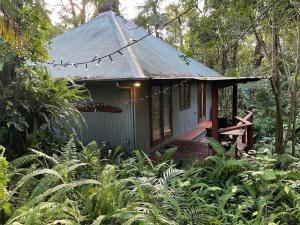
[
  {"x": 192, "y": 144},
  {"x": 190, "y": 149}
]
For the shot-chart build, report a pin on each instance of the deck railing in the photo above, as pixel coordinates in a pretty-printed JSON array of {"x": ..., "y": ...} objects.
[{"x": 241, "y": 133}]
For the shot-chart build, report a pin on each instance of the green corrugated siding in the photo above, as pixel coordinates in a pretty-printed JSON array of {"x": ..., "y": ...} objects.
[{"x": 116, "y": 128}]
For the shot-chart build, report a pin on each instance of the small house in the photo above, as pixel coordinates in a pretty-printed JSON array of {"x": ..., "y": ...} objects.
[{"x": 148, "y": 93}]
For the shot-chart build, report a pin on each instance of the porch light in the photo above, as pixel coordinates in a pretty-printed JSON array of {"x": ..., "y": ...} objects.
[{"x": 137, "y": 84}]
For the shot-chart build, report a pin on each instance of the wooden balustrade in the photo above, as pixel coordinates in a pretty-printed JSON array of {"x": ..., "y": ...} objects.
[{"x": 241, "y": 133}]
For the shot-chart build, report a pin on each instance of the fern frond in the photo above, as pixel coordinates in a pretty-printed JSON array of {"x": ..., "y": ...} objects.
[
  {"x": 168, "y": 175},
  {"x": 30, "y": 175},
  {"x": 98, "y": 220},
  {"x": 21, "y": 161},
  {"x": 220, "y": 150},
  {"x": 67, "y": 187},
  {"x": 41, "y": 154}
]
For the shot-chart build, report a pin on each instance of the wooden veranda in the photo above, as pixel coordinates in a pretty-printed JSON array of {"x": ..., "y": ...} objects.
[{"x": 240, "y": 132}]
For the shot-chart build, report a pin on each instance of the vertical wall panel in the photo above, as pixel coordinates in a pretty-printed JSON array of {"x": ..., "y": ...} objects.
[
  {"x": 186, "y": 119},
  {"x": 116, "y": 128},
  {"x": 142, "y": 115}
]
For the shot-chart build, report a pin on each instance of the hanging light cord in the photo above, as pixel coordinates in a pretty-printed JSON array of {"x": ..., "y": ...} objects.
[{"x": 119, "y": 51}]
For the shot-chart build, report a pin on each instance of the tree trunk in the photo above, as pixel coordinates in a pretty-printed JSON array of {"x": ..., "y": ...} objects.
[
  {"x": 74, "y": 21},
  {"x": 234, "y": 61},
  {"x": 258, "y": 56},
  {"x": 295, "y": 91},
  {"x": 83, "y": 12},
  {"x": 275, "y": 82},
  {"x": 223, "y": 60},
  {"x": 155, "y": 13},
  {"x": 108, "y": 5}
]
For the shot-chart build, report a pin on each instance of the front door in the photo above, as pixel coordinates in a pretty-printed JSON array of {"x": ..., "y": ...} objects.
[
  {"x": 160, "y": 113},
  {"x": 201, "y": 102}
]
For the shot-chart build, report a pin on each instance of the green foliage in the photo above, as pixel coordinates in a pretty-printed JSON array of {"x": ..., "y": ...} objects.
[
  {"x": 89, "y": 185},
  {"x": 24, "y": 26},
  {"x": 35, "y": 108},
  {"x": 165, "y": 156}
]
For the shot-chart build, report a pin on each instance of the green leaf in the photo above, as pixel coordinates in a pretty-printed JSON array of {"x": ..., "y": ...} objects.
[
  {"x": 1, "y": 66},
  {"x": 269, "y": 174}
]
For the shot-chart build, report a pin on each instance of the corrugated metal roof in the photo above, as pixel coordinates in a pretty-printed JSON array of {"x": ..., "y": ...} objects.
[{"x": 150, "y": 58}]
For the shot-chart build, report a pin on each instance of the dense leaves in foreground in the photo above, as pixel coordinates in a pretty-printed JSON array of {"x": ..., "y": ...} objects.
[
  {"x": 95, "y": 185},
  {"x": 32, "y": 109}
]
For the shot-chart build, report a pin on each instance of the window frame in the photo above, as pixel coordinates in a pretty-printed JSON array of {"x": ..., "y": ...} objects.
[
  {"x": 163, "y": 135},
  {"x": 185, "y": 96}
]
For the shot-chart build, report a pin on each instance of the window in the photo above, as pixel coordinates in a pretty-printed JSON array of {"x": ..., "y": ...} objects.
[
  {"x": 185, "y": 96},
  {"x": 160, "y": 112}
]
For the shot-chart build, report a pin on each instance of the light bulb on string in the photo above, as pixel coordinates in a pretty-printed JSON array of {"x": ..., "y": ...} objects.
[
  {"x": 112, "y": 61},
  {"x": 179, "y": 21},
  {"x": 98, "y": 62},
  {"x": 121, "y": 53},
  {"x": 132, "y": 41},
  {"x": 86, "y": 66}
]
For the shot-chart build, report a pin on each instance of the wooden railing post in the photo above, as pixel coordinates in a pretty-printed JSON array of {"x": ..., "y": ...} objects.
[
  {"x": 214, "y": 112},
  {"x": 234, "y": 103},
  {"x": 250, "y": 134}
]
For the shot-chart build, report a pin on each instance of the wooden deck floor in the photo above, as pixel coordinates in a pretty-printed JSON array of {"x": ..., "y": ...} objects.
[{"x": 189, "y": 148}]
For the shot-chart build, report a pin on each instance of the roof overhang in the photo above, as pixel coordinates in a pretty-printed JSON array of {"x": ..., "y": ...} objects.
[
  {"x": 233, "y": 79},
  {"x": 220, "y": 81},
  {"x": 223, "y": 82}
]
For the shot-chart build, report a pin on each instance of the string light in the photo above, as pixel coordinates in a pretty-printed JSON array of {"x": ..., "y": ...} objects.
[
  {"x": 112, "y": 61},
  {"x": 132, "y": 41},
  {"x": 172, "y": 87},
  {"x": 86, "y": 67},
  {"x": 98, "y": 62},
  {"x": 121, "y": 53},
  {"x": 179, "y": 20}
]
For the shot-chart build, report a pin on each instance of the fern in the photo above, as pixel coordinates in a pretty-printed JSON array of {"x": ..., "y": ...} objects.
[
  {"x": 220, "y": 150},
  {"x": 168, "y": 175},
  {"x": 66, "y": 187},
  {"x": 22, "y": 161},
  {"x": 41, "y": 154},
  {"x": 82, "y": 188}
]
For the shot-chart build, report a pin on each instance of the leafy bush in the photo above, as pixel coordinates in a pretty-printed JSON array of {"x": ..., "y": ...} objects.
[
  {"x": 33, "y": 107},
  {"x": 88, "y": 186}
]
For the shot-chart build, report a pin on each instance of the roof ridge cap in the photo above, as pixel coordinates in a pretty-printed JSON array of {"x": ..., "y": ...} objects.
[{"x": 122, "y": 38}]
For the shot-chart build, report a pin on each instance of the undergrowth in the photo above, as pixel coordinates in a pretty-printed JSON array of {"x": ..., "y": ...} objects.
[{"x": 90, "y": 185}]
